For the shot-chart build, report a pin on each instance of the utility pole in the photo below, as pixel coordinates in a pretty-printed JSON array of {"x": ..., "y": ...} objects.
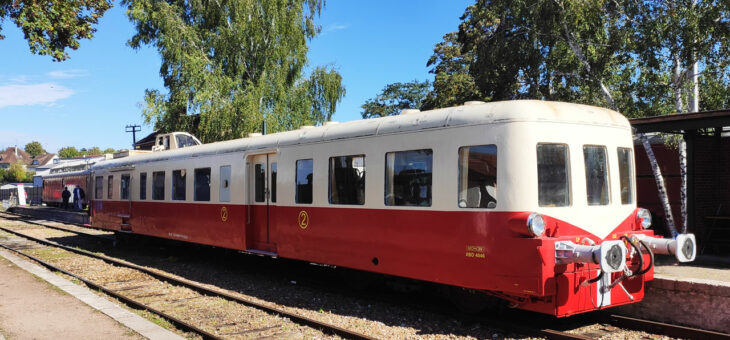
[{"x": 133, "y": 129}]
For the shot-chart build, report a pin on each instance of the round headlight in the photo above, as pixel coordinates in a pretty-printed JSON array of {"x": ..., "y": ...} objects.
[
  {"x": 535, "y": 224},
  {"x": 644, "y": 217}
]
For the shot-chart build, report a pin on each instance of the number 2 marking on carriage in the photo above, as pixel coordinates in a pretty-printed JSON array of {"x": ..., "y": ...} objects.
[
  {"x": 224, "y": 214},
  {"x": 303, "y": 219}
]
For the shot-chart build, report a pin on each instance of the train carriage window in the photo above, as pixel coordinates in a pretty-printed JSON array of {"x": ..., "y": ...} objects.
[
  {"x": 625, "y": 164},
  {"x": 408, "y": 178},
  {"x": 553, "y": 176},
  {"x": 124, "y": 187},
  {"x": 478, "y": 176},
  {"x": 110, "y": 187},
  {"x": 273, "y": 182},
  {"x": 99, "y": 187},
  {"x": 305, "y": 176},
  {"x": 347, "y": 180},
  {"x": 143, "y": 186},
  {"x": 158, "y": 185},
  {"x": 201, "y": 191},
  {"x": 178, "y": 184},
  {"x": 597, "y": 188},
  {"x": 260, "y": 182},
  {"x": 224, "y": 192}
]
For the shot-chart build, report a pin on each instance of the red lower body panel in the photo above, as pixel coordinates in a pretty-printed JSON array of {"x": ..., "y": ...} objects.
[{"x": 474, "y": 250}]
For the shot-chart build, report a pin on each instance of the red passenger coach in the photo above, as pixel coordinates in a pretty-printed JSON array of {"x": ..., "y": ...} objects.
[
  {"x": 53, "y": 185},
  {"x": 530, "y": 201}
]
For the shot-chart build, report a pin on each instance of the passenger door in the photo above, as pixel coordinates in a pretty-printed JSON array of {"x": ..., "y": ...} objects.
[
  {"x": 125, "y": 197},
  {"x": 261, "y": 230}
]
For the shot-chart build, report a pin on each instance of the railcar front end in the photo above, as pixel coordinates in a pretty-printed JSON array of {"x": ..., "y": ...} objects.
[{"x": 574, "y": 240}]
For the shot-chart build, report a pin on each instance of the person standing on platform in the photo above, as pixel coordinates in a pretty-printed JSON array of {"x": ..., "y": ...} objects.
[
  {"x": 77, "y": 198},
  {"x": 65, "y": 195}
]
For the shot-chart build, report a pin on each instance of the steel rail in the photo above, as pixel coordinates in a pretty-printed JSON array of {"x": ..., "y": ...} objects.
[
  {"x": 302, "y": 320},
  {"x": 665, "y": 328}
]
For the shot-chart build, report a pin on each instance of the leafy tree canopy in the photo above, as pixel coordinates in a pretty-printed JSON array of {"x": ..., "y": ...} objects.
[
  {"x": 68, "y": 152},
  {"x": 395, "y": 98},
  {"x": 34, "y": 148},
  {"x": 52, "y": 26},
  {"x": 634, "y": 56},
  {"x": 235, "y": 64},
  {"x": 15, "y": 173}
]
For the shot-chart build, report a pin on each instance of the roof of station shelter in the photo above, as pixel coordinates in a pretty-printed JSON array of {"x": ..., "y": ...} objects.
[{"x": 676, "y": 123}]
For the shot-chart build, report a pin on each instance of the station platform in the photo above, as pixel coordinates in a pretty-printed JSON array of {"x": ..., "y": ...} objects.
[
  {"x": 43, "y": 212},
  {"x": 695, "y": 294},
  {"x": 38, "y": 304}
]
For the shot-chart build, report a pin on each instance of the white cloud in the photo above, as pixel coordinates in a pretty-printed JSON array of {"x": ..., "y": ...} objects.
[
  {"x": 66, "y": 74},
  {"x": 35, "y": 94},
  {"x": 334, "y": 27}
]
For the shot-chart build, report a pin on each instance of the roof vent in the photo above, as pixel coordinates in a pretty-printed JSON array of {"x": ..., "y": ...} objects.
[
  {"x": 254, "y": 134},
  {"x": 474, "y": 102},
  {"x": 306, "y": 127},
  {"x": 330, "y": 123},
  {"x": 409, "y": 111}
]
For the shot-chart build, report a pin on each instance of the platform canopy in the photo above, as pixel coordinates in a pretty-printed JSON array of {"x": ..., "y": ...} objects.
[{"x": 677, "y": 123}]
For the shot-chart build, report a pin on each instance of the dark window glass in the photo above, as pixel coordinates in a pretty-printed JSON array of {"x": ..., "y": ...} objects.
[
  {"x": 625, "y": 163},
  {"x": 202, "y": 185},
  {"x": 408, "y": 178},
  {"x": 158, "y": 185},
  {"x": 596, "y": 175},
  {"x": 304, "y": 181},
  {"x": 124, "y": 187},
  {"x": 143, "y": 186},
  {"x": 184, "y": 141},
  {"x": 273, "y": 182},
  {"x": 260, "y": 182},
  {"x": 178, "y": 184},
  {"x": 99, "y": 187},
  {"x": 478, "y": 176},
  {"x": 347, "y": 180},
  {"x": 110, "y": 187},
  {"x": 553, "y": 180}
]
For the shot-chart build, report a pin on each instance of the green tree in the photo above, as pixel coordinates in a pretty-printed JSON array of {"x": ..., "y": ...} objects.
[
  {"x": 29, "y": 177},
  {"x": 68, "y": 152},
  {"x": 34, "y": 148},
  {"x": 231, "y": 65},
  {"x": 633, "y": 56},
  {"x": 52, "y": 26},
  {"x": 15, "y": 173},
  {"x": 107, "y": 150},
  {"x": 396, "y": 97},
  {"x": 2, "y": 175},
  {"x": 453, "y": 84}
]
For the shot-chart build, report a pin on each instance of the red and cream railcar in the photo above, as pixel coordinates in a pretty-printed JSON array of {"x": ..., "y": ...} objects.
[
  {"x": 53, "y": 185},
  {"x": 530, "y": 201}
]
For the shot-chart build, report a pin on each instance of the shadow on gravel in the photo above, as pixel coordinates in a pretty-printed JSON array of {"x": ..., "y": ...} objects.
[{"x": 322, "y": 289}]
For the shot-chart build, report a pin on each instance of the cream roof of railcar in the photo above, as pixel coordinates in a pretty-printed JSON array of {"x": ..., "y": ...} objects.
[{"x": 472, "y": 113}]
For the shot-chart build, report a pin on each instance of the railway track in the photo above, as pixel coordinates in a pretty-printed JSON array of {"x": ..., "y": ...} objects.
[
  {"x": 156, "y": 292},
  {"x": 143, "y": 290}
]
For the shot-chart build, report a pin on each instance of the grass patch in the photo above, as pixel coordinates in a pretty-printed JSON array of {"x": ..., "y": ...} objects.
[{"x": 50, "y": 254}]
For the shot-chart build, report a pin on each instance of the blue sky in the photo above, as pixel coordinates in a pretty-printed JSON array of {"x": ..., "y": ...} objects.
[{"x": 89, "y": 99}]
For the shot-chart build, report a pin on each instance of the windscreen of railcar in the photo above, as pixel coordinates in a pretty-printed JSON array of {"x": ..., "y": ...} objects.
[{"x": 553, "y": 176}]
